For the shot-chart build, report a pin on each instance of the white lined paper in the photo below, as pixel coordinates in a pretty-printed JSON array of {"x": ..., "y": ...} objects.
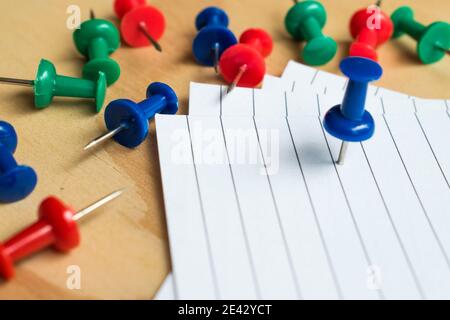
[
  {"x": 388, "y": 202},
  {"x": 185, "y": 221}
]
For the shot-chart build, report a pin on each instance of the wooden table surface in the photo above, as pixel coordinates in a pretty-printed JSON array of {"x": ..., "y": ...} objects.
[{"x": 124, "y": 250}]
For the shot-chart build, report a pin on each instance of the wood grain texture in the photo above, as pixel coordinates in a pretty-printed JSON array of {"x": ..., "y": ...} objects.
[{"x": 124, "y": 250}]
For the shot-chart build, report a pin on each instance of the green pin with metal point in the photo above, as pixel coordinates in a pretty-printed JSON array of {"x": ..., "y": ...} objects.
[
  {"x": 97, "y": 39},
  {"x": 305, "y": 21},
  {"x": 433, "y": 41},
  {"x": 49, "y": 84}
]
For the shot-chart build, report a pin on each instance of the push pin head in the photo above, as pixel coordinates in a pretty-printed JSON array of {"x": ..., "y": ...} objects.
[
  {"x": 16, "y": 181},
  {"x": 127, "y": 121},
  {"x": 141, "y": 24},
  {"x": 254, "y": 45},
  {"x": 368, "y": 38},
  {"x": 304, "y": 22},
  {"x": 350, "y": 122},
  {"x": 213, "y": 37},
  {"x": 97, "y": 39},
  {"x": 48, "y": 84},
  {"x": 56, "y": 226},
  {"x": 122, "y": 7},
  {"x": 433, "y": 41}
]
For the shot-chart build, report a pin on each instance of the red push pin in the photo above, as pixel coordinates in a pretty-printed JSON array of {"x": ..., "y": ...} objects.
[
  {"x": 371, "y": 28},
  {"x": 141, "y": 24},
  {"x": 57, "y": 226},
  {"x": 243, "y": 64}
]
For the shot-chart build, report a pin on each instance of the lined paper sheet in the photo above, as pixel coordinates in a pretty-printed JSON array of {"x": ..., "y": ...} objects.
[
  {"x": 301, "y": 226},
  {"x": 299, "y": 78}
]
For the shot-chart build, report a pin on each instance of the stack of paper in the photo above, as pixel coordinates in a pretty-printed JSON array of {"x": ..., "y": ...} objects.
[{"x": 257, "y": 208}]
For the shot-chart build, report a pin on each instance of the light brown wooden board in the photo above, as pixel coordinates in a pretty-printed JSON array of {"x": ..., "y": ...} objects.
[{"x": 124, "y": 251}]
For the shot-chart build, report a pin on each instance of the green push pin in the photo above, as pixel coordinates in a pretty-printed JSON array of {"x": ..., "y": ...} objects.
[
  {"x": 96, "y": 39},
  {"x": 48, "y": 85},
  {"x": 304, "y": 22},
  {"x": 433, "y": 41}
]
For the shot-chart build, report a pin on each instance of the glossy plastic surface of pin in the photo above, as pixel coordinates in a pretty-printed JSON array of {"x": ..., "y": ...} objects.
[
  {"x": 55, "y": 227},
  {"x": 97, "y": 39},
  {"x": 305, "y": 21},
  {"x": 136, "y": 14},
  {"x": 16, "y": 181},
  {"x": 121, "y": 7},
  {"x": 49, "y": 84},
  {"x": 433, "y": 41},
  {"x": 135, "y": 116},
  {"x": 212, "y": 25},
  {"x": 350, "y": 121},
  {"x": 254, "y": 45},
  {"x": 369, "y": 36}
]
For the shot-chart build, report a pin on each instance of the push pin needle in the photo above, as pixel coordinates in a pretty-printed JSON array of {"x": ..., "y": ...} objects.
[
  {"x": 342, "y": 152},
  {"x": 18, "y": 82},
  {"x": 86, "y": 211},
  {"x": 152, "y": 40},
  {"x": 92, "y": 14},
  {"x": 238, "y": 77},
  {"x": 216, "y": 57},
  {"x": 105, "y": 137},
  {"x": 378, "y": 3}
]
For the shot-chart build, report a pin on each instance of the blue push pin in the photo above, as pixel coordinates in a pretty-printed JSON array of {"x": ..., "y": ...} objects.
[
  {"x": 213, "y": 37},
  {"x": 127, "y": 121},
  {"x": 16, "y": 182},
  {"x": 350, "y": 122}
]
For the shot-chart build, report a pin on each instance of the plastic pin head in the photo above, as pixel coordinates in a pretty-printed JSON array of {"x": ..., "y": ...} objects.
[
  {"x": 433, "y": 41},
  {"x": 127, "y": 121},
  {"x": 243, "y": 64},
  {"x": 213, "y": 34},
  {"x": 142, "y": 25},
  {"x": 16, "y": 181},
  {"x": 97, "y": 39},
  {"x": 56, "y": 227},
  {"x": 304, "y": 22},
  {"x": 349, "y": 121}
]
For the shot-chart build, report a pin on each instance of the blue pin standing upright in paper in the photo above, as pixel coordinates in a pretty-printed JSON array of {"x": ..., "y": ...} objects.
[
  {"x": 349, "y": 121},
  {"x": 127, "y": 121},
  {"x": 16, "y": 181},
  {"x": 213, "y": 36}
]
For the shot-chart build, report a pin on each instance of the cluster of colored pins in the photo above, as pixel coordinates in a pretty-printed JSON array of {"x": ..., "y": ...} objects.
[
  {"x": 141, "y": 25},
  {"x": 57, "y": 226},
  {"x": 16, "y": 181},
  {"x": 216, "y": 46}
]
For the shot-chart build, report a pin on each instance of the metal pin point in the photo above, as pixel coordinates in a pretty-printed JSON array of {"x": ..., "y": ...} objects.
[
  {"x": 216, "y": 57},
  {"x": 152, "y": 40},
  {"x": 440, "y": 47},
  {"x": 378, "y": 3},
  {"x": 342, "y": 153},
  {"x": 17, "y": 82},
  {"x": 92, "y": 14},
  {"x": 104, "y": 137},
  {"x": 83, "y": 213},
  {"x": 238, "y": 77}
]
